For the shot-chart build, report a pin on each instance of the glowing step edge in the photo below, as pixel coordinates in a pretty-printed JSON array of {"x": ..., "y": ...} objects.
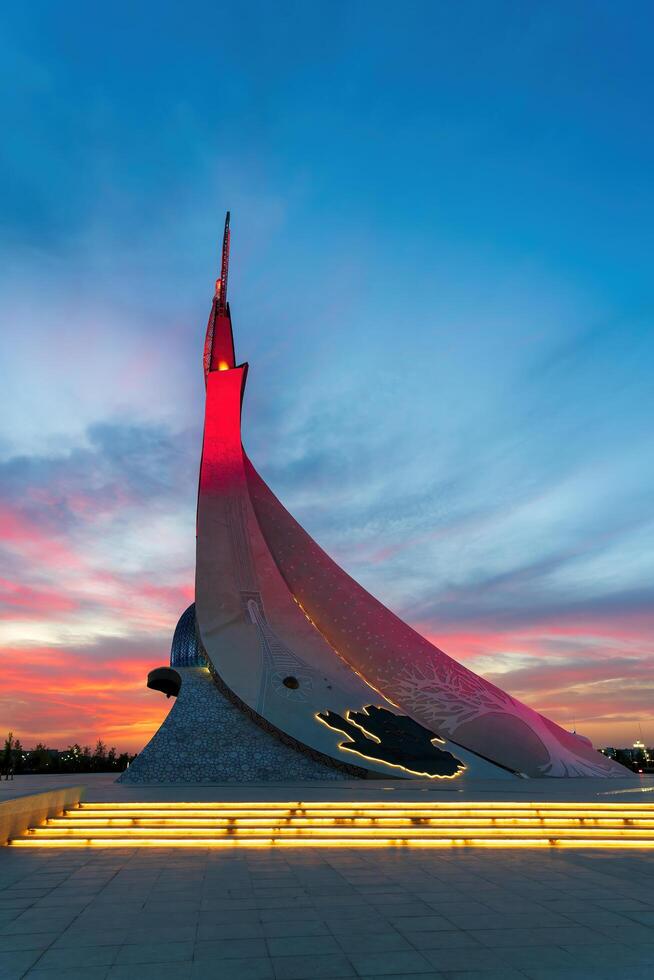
[{"x": 321, "y": 842}]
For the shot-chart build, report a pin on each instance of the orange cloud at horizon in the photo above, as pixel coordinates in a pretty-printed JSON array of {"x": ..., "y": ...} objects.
[
  {"x": 58, "y": 696},
  {"x": 607, "y": 697},
  {"x": 85, "y": 617},
  {"x": 60, "y": 699}
]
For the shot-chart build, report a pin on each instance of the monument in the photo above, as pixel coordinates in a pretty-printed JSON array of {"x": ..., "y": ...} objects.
[{"x": 285, "y": 668}]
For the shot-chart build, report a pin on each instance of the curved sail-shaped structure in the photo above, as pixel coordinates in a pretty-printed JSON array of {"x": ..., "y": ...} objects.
[{"x": 304, "y": 652}]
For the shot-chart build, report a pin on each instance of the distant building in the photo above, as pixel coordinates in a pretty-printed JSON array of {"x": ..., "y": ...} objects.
[{"x": 638, "y": 757}]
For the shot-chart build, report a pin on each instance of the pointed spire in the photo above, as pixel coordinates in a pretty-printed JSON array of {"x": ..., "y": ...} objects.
[
  {"x": 221, "y": 284},
  {"x": 219, "y": 344}
]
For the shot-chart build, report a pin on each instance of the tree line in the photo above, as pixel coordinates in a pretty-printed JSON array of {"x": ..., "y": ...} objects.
[{"x": 76, "y": 758}]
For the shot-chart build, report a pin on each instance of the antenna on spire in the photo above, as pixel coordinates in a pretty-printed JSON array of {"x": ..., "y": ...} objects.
[
  {"x": 221, "y": 284},
  {"x": 219, "y": 341}
]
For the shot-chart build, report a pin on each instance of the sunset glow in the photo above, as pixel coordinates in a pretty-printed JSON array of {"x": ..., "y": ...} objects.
[{"x": 489, "y": 479}]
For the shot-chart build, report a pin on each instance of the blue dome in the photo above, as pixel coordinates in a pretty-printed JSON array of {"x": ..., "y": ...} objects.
[{"x": 185, "y": 651}]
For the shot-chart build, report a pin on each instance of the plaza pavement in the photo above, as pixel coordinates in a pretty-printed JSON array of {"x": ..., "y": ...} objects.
[
  {"x": 102, "y": 787},
  {"x": 326, "y": 913}
]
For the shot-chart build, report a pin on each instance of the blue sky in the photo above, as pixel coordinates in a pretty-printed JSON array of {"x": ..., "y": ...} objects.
[{"x": 441, "y": 277}]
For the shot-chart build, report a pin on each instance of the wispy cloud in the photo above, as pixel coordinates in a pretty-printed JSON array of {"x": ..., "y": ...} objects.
[{"x": 442, "y": 281}]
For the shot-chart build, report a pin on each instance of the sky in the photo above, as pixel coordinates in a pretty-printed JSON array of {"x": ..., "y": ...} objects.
[{"x": 441, "y": 277}]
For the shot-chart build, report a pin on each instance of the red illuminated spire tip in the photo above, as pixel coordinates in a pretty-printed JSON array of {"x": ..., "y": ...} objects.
[
  {"x": 221, "y": 284},
  {"x": 219, "y": 341}
]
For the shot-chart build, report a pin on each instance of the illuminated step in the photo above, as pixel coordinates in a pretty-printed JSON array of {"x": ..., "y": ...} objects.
[
  {"x": 422, "y": 817},
  {"x": 363, "y": 813},
  {"x": 349, "y": 824},
  {"x": 76, "y": 820},
  {"x": 352, "y": 833},
  {"x": 268, "y": 842},
  {"x": 68, "y": 821},
  {"x": 359, "y": 805}
]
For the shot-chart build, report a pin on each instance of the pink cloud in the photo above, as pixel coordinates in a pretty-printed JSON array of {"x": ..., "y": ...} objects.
[
  {"x": 19, "y": 600},
  {"x": 19, "y": 532}
]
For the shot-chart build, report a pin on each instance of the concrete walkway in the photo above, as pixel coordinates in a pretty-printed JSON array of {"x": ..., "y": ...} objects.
[
  {"x": 289, "y": 915},
  {"x": 102, "y": 787},
  {"x": 500, "y": 915}
]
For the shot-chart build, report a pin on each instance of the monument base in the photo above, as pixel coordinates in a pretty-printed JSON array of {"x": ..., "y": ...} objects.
[{"x": 208, "y": 739}]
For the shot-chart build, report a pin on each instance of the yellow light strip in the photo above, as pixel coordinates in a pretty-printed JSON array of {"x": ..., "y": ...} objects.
[
  {"x": 321, "y": 842},
  {"x": 345, "y": 822},
  {"x": 341, "y": 818},
  {"x": 354, "y": 832},
  {"x": 310, "y": 812},
  {"x": 368, "y": 812},
  {"x": 372, "y": 805}
]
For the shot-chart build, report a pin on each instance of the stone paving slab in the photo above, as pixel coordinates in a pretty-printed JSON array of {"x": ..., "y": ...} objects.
[{"x": 326, "y": 914}]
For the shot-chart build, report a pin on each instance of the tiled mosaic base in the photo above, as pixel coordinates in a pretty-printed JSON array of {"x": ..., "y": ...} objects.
[{"x": 207, "y": 739}]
